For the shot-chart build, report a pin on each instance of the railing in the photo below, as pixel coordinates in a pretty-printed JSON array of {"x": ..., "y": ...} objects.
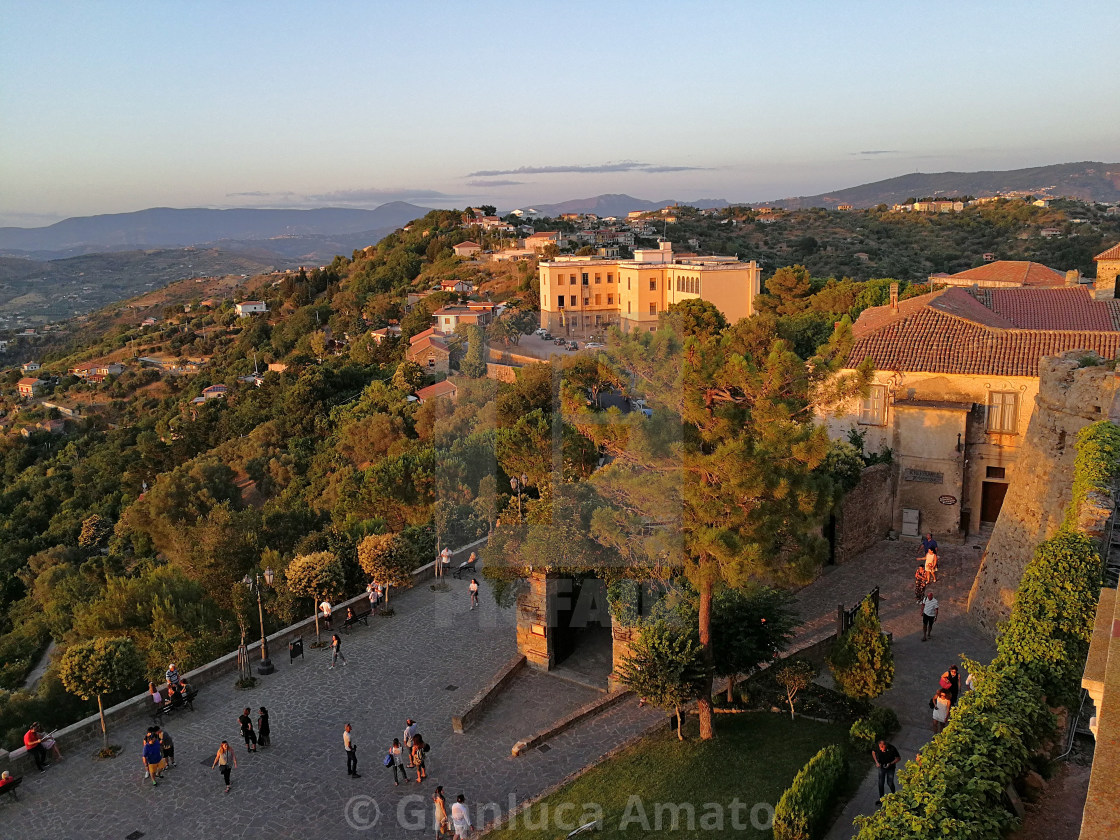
[{"x": 845, "y": 618}]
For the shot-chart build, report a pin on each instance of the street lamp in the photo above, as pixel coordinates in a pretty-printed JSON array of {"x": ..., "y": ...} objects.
[
  {"x": 518, "y": 484},
  {"x": 254, "y": 584}
]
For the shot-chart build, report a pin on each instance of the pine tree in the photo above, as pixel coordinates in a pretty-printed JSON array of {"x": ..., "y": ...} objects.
[{"x": 862, "y": 662}]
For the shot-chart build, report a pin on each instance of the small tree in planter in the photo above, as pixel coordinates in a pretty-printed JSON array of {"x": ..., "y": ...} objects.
[
  {"x": 98, "y": 667},
  {"x": 665, "y": 667},
  {"x": 318, "y": 575},
  {"x": 862, "y": 663},
  {"x": 793, "y": 678}
]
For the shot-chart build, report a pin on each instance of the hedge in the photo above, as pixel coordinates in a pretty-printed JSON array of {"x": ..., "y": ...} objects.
[
  {"x": 957, "y": 789},
  {"x": 803, "y": 810}
]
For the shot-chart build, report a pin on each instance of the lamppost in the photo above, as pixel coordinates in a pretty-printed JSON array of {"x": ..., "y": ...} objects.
[
  {"x": 519, "y": 483},
  {"x": 254, "y": 583}
]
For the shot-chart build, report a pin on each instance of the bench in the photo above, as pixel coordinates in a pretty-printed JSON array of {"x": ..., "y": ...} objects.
[
  {"x": 10, "y": 787},
  {"x": 354, "y": 619},
  {"x": 170, "y": 706},
  {"x": 464, "y": 567}
]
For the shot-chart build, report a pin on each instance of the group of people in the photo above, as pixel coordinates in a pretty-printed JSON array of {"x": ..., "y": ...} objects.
[
  {"x": 157, "y": 753},
  {"x": 945, "y": 698},
  {"x": 926, "y": 572},
  {"x": 178, "y": 692},
  {"x": 40, "y": 744},
  {"x": 407, "y": 753}
]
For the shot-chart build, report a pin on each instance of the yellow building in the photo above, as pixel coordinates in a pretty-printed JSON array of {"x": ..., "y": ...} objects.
[{"x": 584, "y": 295}]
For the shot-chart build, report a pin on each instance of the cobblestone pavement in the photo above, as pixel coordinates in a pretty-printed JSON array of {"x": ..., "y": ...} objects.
[
  {"x": 918, "y": 664},
  {"x": 401, "y": 666}
]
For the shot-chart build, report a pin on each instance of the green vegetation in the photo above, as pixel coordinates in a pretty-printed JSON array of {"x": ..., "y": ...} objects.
[
  {"x": 794, "y": 677},
  {"x": 1095, "y": 466},
  {"x": 881, "y": 723},
  {"x": 666, "y": 667},
  {"x": 753, "y": 761},
  {"x": 992, "y": 735},
  {"x": 861, "y": 662},
  {"x": 803, "y": 810},
  {"x": 99, "y": 667}
]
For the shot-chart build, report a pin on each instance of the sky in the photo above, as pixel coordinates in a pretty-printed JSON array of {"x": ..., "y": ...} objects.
[{"x": 119, "y": 106}]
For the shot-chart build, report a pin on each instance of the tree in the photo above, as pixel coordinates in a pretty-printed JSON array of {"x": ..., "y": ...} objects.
[
  {"x": 407, "y": 376},
  {"x": 750, "y": 628},
  {"x": 694, "y": 317},
  {"x": 787, "y": 290},
  {"x": 318, "y": 575},
  {"x": 319, "y": 344},
  {"x": 793, "y": 678},
  {"x": 862, "y": 662},
  {"x": 387, "y": 558},
  {"x": 665, "y": 667},
  {"x": 474, "y": 361},
  {"x": 101, "y": 666},
  {"x": 95, "y": 531},
  {"x": 733, "y": 447}
]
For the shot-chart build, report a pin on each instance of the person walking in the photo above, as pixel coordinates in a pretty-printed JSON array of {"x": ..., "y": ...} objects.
[
  {"x": 168, "y": 747},
  {"x": 931, "y": 566},
  {"x": 406, "y": 738},
  {"x": 930, "y": 607},
  {"x": 225, "y": 761},
  {"x": 351, "y": 752},
  {"x": 264, "y": 732},
  {"x": 371, "y": 593},
  {"x": 152, "y": 756},
  {"x": 940, "y": 705},
  {"x": 929, "y": 543},
  {"x": 325, "y": 609},
  {"x": 418, "y": 750},
  {"x": 442, "y": 820},
  {"x": 921, "y": 581},
  {"x": 461, "y": 818},
  {"x": 951, "y": 682},
  {"x": 396, "y": 754},
  {"x": 246, "y": 723},
  {"x": 336, "y": 650},
  {"x": 474, "y": 592},
  {"x": 885, "y": 757}
]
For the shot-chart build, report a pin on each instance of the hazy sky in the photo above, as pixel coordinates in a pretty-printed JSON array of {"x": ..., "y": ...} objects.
[{"x": 113, "y": 106}]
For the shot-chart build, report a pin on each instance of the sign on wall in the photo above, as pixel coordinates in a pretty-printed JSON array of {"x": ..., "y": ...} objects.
[
  {"x": 925, "y": 476},
  {"x": 947, "y": 500}
]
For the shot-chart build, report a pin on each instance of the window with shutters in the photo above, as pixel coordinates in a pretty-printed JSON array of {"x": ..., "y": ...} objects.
[{"x": 873, "y": 407}]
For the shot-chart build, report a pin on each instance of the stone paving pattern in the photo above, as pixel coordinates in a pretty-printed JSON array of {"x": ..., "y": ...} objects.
[{"x": 298, "y": 788}]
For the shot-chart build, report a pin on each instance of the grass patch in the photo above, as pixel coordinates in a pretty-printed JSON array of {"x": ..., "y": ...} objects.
[{"x": 753, "y": 759}]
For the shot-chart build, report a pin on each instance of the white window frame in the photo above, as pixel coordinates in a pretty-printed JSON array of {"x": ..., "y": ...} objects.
[{"x": 873, "y": 407}]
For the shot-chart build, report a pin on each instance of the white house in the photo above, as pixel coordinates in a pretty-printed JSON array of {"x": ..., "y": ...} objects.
[{"x": 251, "y": 307}]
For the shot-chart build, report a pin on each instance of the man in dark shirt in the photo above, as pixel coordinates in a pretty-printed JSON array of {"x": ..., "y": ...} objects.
[
  {"x": 929, "y": 543},
  {"x": 886, "y": 757}
]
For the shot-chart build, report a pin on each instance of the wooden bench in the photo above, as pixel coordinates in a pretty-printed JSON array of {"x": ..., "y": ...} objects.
[
  {"x": 354, "y": 619},
  {"x": 173, "y": 705},
  {"x": 464, "y": 567},
  {"x": 10, "y": 787}
]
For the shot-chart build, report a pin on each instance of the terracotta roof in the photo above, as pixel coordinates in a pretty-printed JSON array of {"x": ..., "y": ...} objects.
[
  {"x": 1066, "y": 308},
  {"x": 445, "y": 388},
  {"x": 944, "y": 333},
  {"x": 1013, "y": 272},
  {"x": 427, "y": 341},
  {"x": 30, "y": 380},
  {"x": 429, "y": 331},
  {"x": 1112, "y": 253},
  {"x": 467, "y": 244}
]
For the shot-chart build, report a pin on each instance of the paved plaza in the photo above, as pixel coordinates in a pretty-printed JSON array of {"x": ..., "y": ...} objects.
[{"x": 424, "y": 662}]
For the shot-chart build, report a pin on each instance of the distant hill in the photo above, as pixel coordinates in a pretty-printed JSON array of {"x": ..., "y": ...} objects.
[
  {"x": 1087, "y": 181},
  {"x": 618, "y": 205},
  {"x": 164, "y": 227}
]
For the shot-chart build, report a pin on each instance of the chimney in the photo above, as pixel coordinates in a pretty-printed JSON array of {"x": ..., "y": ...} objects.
[
  {"x": 1073, "y": 277},
  {"x": 894, "y": 297}
]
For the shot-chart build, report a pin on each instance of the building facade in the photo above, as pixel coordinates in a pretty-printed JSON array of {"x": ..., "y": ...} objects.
[
  {"x": 955, "y": 384},
  {"x": 585, "y": 295}
]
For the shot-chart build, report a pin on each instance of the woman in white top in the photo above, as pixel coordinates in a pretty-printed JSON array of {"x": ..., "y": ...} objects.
[
  {"x": 460, "y": 818},
  {"x": 941, "y": 704}
]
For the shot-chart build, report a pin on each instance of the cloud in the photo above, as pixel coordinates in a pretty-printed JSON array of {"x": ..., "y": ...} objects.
[
  {"x": 493, "y": 182},
  {"x": 877, "y": 152},
  {"x": 362, "y": 196},
  {"x": 260, "y": 194},
  {"x": 621, "y": 166}
]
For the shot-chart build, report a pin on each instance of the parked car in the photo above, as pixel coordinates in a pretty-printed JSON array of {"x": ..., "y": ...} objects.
[
  {"x": 541, "y": 331},
  {"x": 592, "y": 345},
  {"x": 560, "y": 341},
  {"x": 547, "y": 336},
  {"x": 572, "y": 345}
]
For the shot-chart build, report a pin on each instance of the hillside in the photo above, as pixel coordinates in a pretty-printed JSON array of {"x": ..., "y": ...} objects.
[
  {"x": 164, "y": 227},
  {"x": 1088, "y": 181}
]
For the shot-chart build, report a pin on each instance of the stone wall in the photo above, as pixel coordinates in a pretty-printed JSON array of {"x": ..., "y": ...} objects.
[
  {"x": 1070, "y": 397},
  {"x": 867, "y": 512}
]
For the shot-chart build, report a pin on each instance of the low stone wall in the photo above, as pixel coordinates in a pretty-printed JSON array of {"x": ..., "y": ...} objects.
[
  {"x": 502, "y": 373},
  {"x": 582, "y": 713},
  {"x": 867, "y": 512},
  {"x": 486, "y": 697},
  {"x": 140, "y": 706}
]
